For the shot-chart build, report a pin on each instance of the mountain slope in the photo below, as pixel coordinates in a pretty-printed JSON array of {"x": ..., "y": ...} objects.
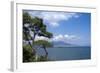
[{"x": 61, "y": 44}]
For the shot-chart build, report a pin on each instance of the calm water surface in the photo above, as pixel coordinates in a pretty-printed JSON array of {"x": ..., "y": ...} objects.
[{"x": 67, "y": 53}]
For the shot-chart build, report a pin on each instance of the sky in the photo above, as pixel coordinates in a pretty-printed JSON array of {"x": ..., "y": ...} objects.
[{"x": 69, "y": 27}]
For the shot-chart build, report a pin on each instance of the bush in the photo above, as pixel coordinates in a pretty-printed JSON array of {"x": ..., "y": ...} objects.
[{"x": 27, "y": 54}]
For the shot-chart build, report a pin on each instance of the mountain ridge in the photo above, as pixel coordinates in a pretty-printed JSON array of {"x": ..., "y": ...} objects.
[{"x": 62, "y": 44}]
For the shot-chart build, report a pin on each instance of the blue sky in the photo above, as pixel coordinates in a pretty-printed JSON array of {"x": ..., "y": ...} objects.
[{"x": 69, "y": 27}]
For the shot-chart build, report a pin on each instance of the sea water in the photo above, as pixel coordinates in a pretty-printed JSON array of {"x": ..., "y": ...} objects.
[{"x": 67, "y": 53}]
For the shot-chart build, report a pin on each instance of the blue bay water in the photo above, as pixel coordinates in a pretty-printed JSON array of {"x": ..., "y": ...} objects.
[{"x": 67, "y": 53}]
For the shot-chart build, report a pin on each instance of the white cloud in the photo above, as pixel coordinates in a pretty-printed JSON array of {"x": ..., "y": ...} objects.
[
  {"x": 65, "y": 37},
  {"x": 53, "y": 18},
  {"x": 54, "y": 24},
  {"x": 56, "y": 38},
  {"x": 41, "y": 38},
  {"x": 70, "y": 36},
  {"x": 60, "y": 37}
]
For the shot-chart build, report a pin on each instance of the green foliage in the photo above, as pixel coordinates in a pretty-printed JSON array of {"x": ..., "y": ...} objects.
[
  {"x": 26, "y": 18},
  {"x": 26, "y": 36},
  {"x": 27, "y": 54},
  {"x": 42, "y": 58},
  {"x": 49, "y": 35},
  {"x": 37, "y": 21},
  {"x": 42, "y": 42},
  {"x": 29, "y": 57}
]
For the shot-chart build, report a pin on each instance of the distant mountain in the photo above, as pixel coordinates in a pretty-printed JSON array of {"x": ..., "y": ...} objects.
[{"x": 61, "y": 44}]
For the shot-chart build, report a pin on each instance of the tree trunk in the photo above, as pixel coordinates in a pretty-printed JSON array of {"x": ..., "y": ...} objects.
[
  {"x": 34, "y": 37},
  {"x": 33, "y": 50},
  {"x": 33, "y": 42},
  {"x": 46, "y": 52}
]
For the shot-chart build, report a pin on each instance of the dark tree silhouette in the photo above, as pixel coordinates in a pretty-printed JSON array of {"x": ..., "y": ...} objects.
[{"x": 36, "y": 26}]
